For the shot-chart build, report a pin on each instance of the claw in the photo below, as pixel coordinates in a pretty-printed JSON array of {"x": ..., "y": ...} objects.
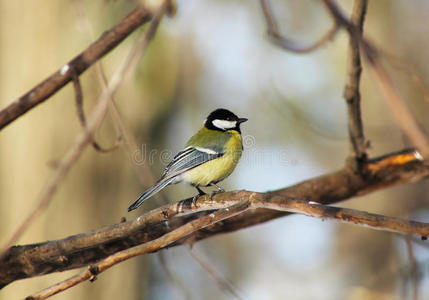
[
  {"x": 200, "y": 193},
  {"x": 194, "y": 199},
  {"x": 220, "y": 190},
  {"x": 212, "y": 193}
]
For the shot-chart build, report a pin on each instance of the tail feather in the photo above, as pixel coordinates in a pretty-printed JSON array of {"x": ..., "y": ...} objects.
[{"x": 153, "y": 190}]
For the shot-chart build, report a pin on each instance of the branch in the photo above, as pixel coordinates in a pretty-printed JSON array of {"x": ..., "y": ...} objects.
[
  {"x": 399, "y": 109},
  {"x": 287, "y": 44},
  {"x": 149, "y": 247},
  {"x": 108, "y": 40},
  {"x": 84, "y": 138},
  {"x": 224, "y": 285},
  {"x": 351, "y": 90},
  {"x": 88, "y": 248},
  {"x": 397, "y": 105},
  {"x": 81, "y": 115}
]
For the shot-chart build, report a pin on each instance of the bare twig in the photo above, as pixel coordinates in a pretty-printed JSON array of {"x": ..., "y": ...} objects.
[
  {"x": 84, "y": 138},
  {"x": 81, "y": 114},
  {"x": 399, "y": 109},
  {"x": 414, "y": 268},
  {"x": 171, "y": 277},
  {"x": 397, "y": 105},
  {"x": 87, "y": 248},
  {"x": 408, "y": 67},
  {"x": 351, "y": 90},
  {"x": 287, "y": 44},
  {"x": 109, "y": 40},
  {"x": 223, "y": 283},
  {"x": 149, "y": 247},
  {"x": 128, "y": 140}
]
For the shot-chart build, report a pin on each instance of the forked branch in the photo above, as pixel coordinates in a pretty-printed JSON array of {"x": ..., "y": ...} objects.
[
  {"x": 88, "y": 248},
  {"x": 108, "y": 40}
]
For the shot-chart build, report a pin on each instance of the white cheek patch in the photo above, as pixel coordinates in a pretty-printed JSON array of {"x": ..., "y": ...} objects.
[{"x": 224, "y": 124}]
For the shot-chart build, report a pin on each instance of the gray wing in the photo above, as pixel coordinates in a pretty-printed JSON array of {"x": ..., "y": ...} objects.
[{"x": 188, "y": 159}]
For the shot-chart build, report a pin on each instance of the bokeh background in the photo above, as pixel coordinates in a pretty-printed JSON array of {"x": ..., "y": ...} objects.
[{"x": 214, "y": 54}]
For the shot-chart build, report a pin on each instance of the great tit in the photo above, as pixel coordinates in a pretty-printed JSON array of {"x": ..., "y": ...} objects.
[{"x": 209, "y": 156}]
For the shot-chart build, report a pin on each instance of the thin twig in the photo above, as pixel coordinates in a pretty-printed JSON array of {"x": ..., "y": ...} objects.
[
  {"x": 128, "y": 140},
  {"x": 108, "y": 40},
  {"x": 408, "y": 67},
  {"x": 399, "y": 109},
  {"x": 171, "y": 277},
  {"x": 351, "y": 90},
  {"x": 223, "y": 283},
  {"x": 81, "y": 114},
  {"x": 414, "y": 268},
  {"x": 82, "y": 140},
  {"x": 287, "y": 44},
  {"x": 129, "y": 144},
  {"x": 149, "y": 247}
]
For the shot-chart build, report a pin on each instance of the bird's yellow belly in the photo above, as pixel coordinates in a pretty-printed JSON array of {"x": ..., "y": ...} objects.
[{"x": 217, "y": 169}]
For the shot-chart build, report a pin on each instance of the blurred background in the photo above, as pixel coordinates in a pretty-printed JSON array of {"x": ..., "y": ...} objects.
[{"x": 215, "y": 54}]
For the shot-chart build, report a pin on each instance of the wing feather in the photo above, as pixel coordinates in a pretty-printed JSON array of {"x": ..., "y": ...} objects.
[{"x": 188, "y": 159}]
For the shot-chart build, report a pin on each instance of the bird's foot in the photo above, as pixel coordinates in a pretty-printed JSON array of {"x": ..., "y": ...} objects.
[
  {"x": 212, "y": 193},
  {"x": 200, "y": 193},
  {"x": 219, "y": 190},
  {"x": 194, "y": 199}
]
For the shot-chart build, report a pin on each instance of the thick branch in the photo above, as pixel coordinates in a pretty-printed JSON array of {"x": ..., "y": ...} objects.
[
  {"x": 84, "y": 249},
  {"x": 230, "y": 207},
  {"x": 108, "y": 40},
  {"x": 148, "y": 247},
  {"x": 351, "y": 91}
]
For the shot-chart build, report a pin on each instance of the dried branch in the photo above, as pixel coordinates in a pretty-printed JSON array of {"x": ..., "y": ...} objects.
[
  {"x": 108, "y": 40},
  {"x": 84, "y": 138},
  {"x": 173, "y": 278},
  {"x": 373, "y": 221},
  {"x": 287, "y": 44},
  {"x": 88, "y": 248},
  {"x": 351, "y": 90},
  {"x": 81, "y": 114},
  {"x": 399, "y": 109},
  {"x": 223, "y": 284},
  {"x": 408, "y": 67},
  {"x": 149, "y": 247},
  {"x": 129, "y": 142},
  {"x": 414, "y": 271}
]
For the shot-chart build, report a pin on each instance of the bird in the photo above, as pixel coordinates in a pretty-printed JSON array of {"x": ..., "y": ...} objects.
[{"x": 209, "y": 156}]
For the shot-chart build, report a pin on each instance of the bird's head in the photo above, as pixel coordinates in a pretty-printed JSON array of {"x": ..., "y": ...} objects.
[{"x": 222, "y": 119}]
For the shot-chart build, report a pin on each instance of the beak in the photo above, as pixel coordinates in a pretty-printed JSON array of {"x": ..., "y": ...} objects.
[{"x": 242, "y": 120}]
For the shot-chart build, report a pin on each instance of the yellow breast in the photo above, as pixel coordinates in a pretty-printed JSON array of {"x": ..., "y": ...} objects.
[{"x": 217, "y": 169}]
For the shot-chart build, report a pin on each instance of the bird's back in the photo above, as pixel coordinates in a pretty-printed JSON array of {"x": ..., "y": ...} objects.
[{"x": 217, "y": 169}]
